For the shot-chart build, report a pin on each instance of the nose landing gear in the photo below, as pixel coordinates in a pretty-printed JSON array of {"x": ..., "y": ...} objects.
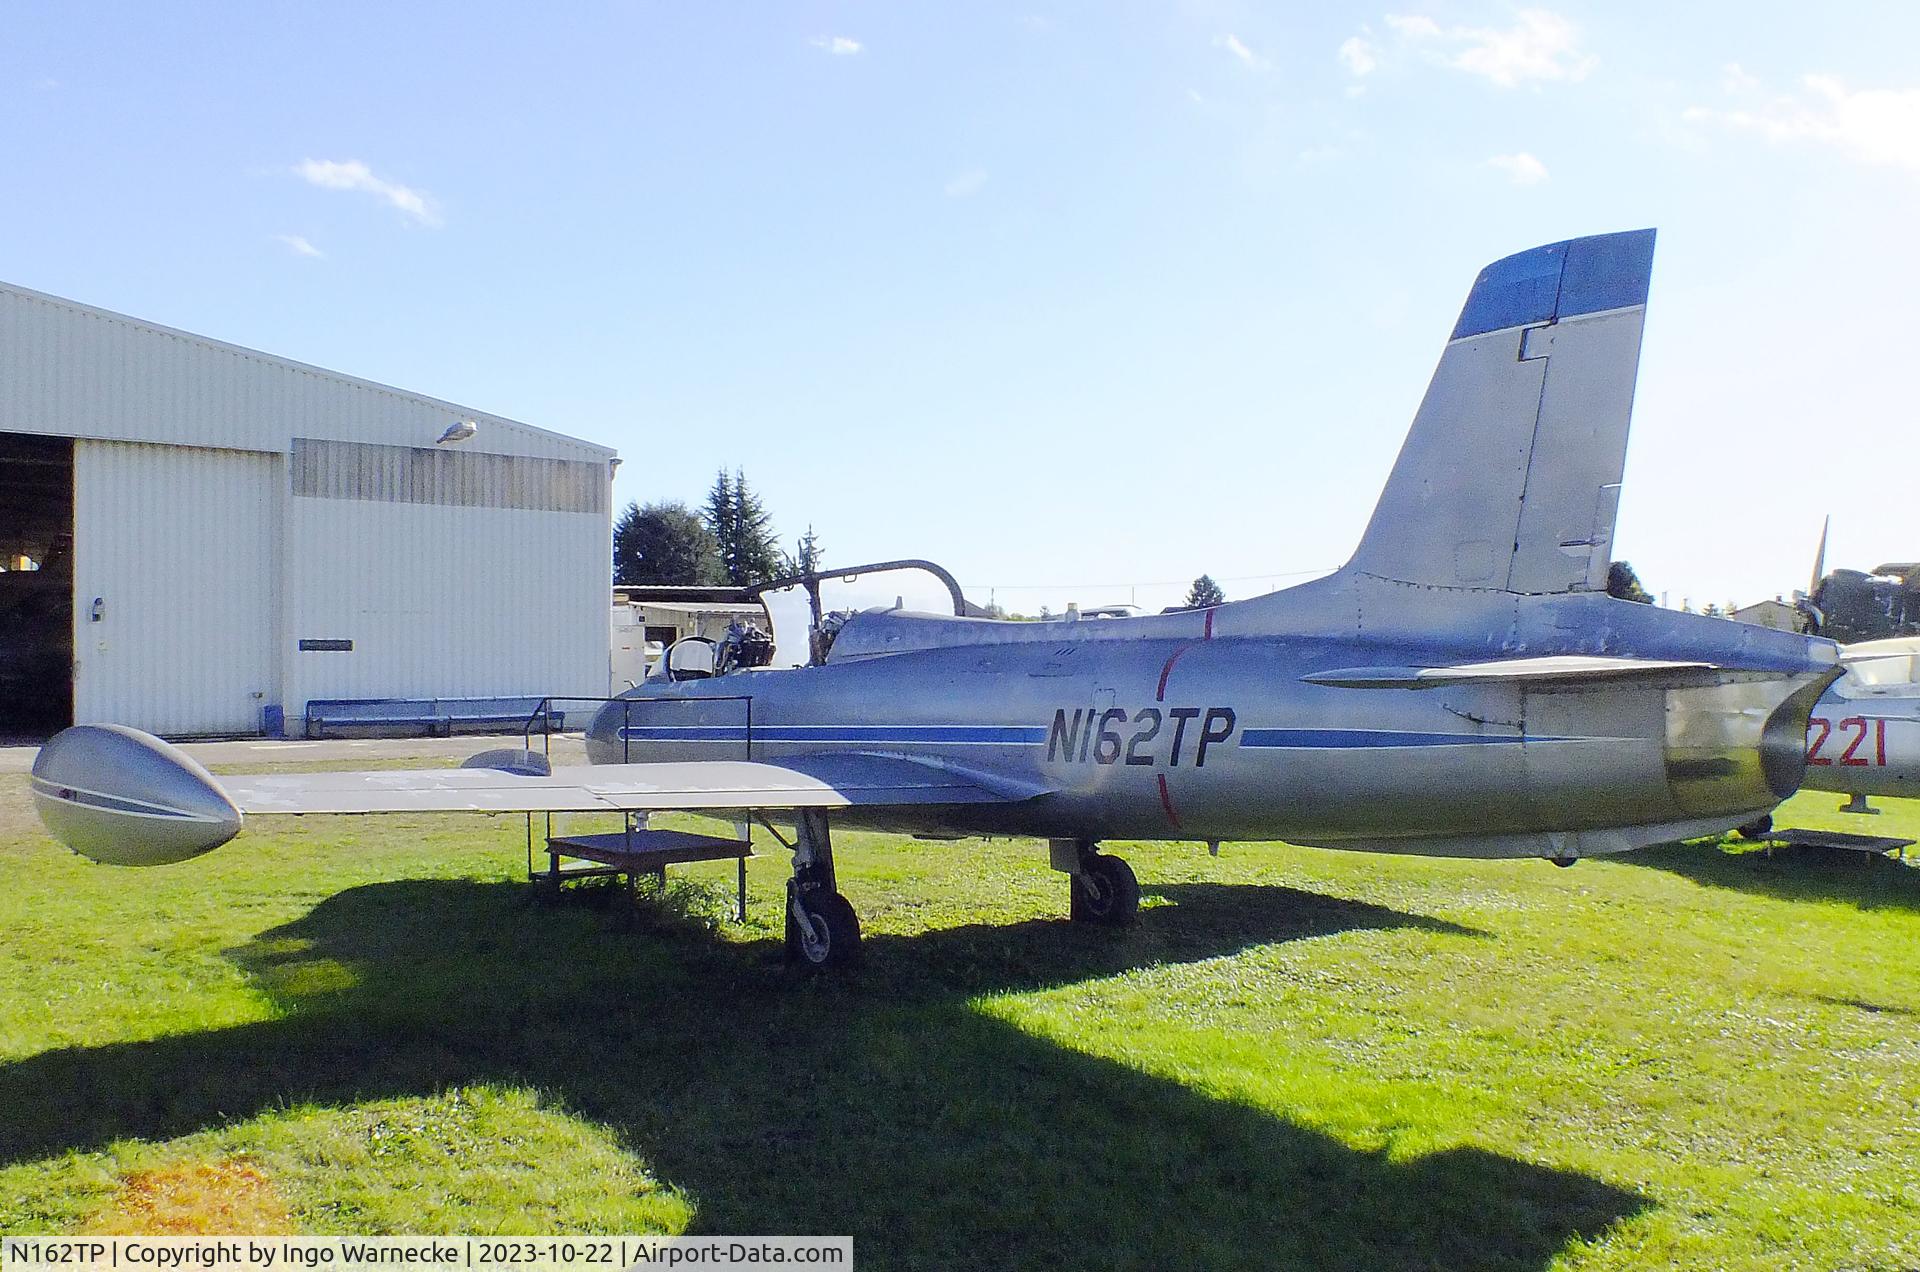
[{"x": 823, "y": 932}]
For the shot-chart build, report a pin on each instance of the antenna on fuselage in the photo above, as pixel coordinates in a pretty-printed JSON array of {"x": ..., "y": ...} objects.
[{"x": 1820, "y": 558}]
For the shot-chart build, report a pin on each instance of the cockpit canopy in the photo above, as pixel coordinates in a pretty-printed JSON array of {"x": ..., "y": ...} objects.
[
  {"x": 691, "y": 658},
  {"x": 749, "y": 646}
]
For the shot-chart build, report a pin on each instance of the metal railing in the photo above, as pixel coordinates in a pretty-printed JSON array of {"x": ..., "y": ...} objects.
[{"x": 544, "y": 715}]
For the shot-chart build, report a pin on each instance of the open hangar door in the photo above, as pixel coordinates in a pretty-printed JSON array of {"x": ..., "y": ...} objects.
[{"x": 36, "y": 584}]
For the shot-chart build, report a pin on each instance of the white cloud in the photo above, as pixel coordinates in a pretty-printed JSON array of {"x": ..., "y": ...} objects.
[
  {"x": 299, "y": 246},
  {"x": 1236, "y": 46},
  {"x": 838, "y": 45},
  {"x": 1878, "y": 126},
  {"x": 967, "y": 184},
  {"x": 1414, "y": 26},
  {"x": 1735, "y": 79},
  {"x": 1521, "y": 168},
  {"x": 1359, "y": 56},
  {"x": 351, "y": 174},
  {"x": 1540, "y": 45}
]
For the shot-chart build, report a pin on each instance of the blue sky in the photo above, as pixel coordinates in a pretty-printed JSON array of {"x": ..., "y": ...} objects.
[{"x": 1078, "y": 299}]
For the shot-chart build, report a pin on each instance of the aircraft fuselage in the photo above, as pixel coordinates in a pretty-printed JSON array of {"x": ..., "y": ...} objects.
[
  {"x": 1864, "y": 735},
  {"x": 1198, "y": 729}
]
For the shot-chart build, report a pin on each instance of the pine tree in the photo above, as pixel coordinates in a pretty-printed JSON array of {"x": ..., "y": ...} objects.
[
  {"x": 722, "y": 524},
  {"x": 742, "y": 530},
  {"x": 807, "y": 559},
  {"x": 755, "y": 547},
  {"x": 1205, "y": 594}
]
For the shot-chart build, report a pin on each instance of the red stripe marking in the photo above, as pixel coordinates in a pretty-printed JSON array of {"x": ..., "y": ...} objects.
[
  {"x": 1166, "y": 802},
  {"x": 1160, "y": 691},
  {"x": 1160, "y": 694}
]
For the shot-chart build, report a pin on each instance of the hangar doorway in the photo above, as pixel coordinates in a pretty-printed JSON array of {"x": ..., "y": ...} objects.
[{"x": 36, "y": 584}]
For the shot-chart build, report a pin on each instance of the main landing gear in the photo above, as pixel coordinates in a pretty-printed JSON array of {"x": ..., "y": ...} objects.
[
  {"x": 822, "y": 929},
  {"x": 1101, "y": 889}
]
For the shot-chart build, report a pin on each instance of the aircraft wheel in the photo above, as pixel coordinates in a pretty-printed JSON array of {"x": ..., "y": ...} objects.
[
  {"x": 1757, "y": 828},
  {"x": 830, "y": 935},
  {"x": 1105, "y": 891}
]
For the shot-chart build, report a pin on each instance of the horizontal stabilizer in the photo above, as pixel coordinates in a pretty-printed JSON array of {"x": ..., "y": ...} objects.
[
  {"x": 1885, "y": 668},
  {"x": 1564, "y": 669}
]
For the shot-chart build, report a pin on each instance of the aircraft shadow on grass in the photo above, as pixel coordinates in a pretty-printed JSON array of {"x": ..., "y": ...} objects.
[
  {"x": 1869, "y": 881},
  {"x": 885, "y": 1102}
]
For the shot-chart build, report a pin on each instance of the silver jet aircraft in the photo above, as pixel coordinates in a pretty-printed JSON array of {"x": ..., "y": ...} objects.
[
  {"x": 1864, "y": 736},
  {"x": 1462, "y": 687}
]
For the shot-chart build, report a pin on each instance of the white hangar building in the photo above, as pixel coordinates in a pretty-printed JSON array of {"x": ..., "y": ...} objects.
[{"x": 198, "y": 538}]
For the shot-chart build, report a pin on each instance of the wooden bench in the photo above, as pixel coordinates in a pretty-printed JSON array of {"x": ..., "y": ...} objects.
[{"x": 629, "y": 854}]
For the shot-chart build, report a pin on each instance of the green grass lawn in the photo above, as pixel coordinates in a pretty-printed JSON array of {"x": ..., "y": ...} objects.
[{"x": 1298, "y": 1058}]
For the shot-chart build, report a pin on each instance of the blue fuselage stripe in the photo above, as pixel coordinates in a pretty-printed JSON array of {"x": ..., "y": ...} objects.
[
  {"x": 1366, "y": 739},
  {"x": 867, "y": 734},
  {"x": 1036, "y": 735}
]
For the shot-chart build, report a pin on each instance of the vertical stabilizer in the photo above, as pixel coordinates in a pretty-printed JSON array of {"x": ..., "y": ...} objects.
[{"x": 1510, "y": 477}]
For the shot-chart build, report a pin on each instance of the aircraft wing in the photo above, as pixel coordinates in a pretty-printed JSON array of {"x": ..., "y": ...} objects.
[
  {"x": 809, "y": 781},
  {"x": 123, "y": 797}
]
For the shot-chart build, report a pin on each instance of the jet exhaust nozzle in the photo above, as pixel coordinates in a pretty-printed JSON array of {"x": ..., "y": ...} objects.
[
  {"x": 125, "y": 798},
  {"x": 1740, "y": 746}
]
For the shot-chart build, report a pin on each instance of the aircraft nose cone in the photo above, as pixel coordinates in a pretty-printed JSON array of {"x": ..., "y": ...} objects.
[
  {"x": 126, "y": 798},
  {"x": 604, "y": 742}
]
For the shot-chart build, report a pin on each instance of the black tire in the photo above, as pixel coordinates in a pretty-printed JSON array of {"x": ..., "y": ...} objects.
[
  {"x": 1758, "y": 828},
  {"x": 833, "y": 940},
  {"x": 1105, "y": 892}
]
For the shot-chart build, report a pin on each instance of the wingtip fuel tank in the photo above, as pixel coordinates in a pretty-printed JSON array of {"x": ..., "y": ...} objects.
[{"x": 125, "y": 798}]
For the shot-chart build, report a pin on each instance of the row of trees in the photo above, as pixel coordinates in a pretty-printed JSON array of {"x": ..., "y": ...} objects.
[{"x": 730, "y": 540}]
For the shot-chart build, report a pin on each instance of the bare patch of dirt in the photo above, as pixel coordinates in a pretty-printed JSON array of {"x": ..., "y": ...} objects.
[{"x": 232, "y": 1197}]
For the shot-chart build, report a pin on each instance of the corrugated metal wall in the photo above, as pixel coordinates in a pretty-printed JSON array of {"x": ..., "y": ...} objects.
[
  {"x": 70, "y": 370},
  {"x": 442, "y": 600},
  {"x": 181, "y": 545},
  {"x": 462, "y": 478}
]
